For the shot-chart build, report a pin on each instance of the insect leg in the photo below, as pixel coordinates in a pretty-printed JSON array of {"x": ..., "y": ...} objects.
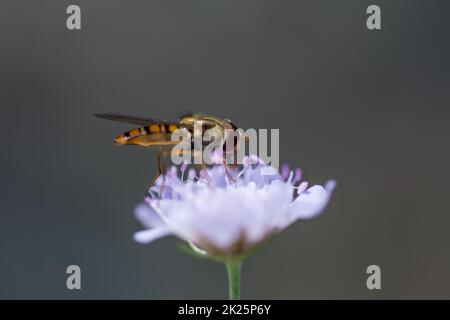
[
  {"x": 158, "y": 160},
  {"x": 162, "y": 170},
  {"x": 226, "y": 166},
  {"x": 198, "y": 166}
]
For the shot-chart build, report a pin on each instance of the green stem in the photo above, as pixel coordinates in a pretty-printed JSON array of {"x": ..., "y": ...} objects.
[{"x": 234, "y": 279}]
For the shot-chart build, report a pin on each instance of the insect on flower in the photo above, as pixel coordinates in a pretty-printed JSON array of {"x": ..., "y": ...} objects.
[{"x": 222, "y": 215}]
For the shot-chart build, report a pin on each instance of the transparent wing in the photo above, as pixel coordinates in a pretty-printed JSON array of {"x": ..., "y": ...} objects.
[{"x": 128, "y": 119}]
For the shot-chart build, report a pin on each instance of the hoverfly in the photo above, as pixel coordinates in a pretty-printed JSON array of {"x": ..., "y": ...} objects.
[{"x": 156, "y": 133}]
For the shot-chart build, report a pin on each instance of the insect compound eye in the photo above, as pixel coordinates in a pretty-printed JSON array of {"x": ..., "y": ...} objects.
[{"x": 229, "y": 125}]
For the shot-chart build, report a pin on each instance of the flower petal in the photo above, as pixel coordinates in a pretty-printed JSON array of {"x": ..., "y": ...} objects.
[
  {"x": 311, "y": 202},
  {"x": 147, "y": 236},
  {"x": 147, "y": 216}
]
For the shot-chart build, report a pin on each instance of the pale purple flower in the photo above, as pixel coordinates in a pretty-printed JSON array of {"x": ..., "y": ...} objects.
[{"x": 226, "y": 214}]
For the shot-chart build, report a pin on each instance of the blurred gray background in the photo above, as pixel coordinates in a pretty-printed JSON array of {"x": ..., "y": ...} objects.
[{"x": 367, "y": 108}]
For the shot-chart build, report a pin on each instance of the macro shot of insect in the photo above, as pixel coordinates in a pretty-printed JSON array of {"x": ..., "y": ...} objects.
[{"x": 158, "y": 134}]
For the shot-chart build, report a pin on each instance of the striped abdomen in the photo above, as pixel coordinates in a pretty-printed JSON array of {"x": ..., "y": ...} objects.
[
  {"x": 160, "y": 134},
  {"x": 154, "y": 134}
]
